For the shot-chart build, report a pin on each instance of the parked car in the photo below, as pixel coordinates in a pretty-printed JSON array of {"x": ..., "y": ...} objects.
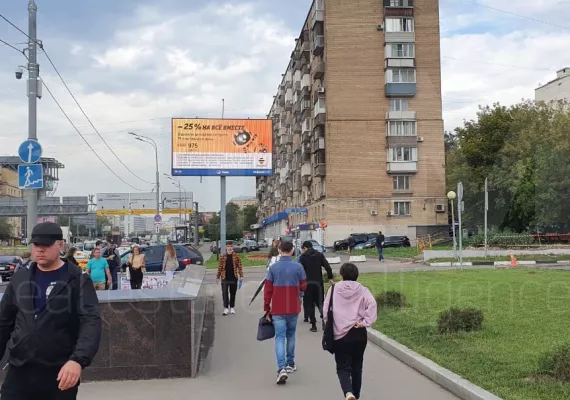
[
  {"x": 262, "y": 244},
  {"x": 358, "y": 238},
  {"x": 246, "y": 245},
  {"x": 154, "y": 255},
  {"x": 389, "y": 241},
  {"x": 8, "y": 266}
]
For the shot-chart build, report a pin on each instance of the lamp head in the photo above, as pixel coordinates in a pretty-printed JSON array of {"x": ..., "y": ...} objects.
[{"x": 451, "y": 195}]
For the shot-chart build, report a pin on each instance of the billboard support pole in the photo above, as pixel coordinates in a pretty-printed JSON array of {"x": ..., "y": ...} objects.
[{"x": 222, "y": 204}]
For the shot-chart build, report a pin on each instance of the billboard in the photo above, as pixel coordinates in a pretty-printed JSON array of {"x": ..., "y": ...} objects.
[
  {"x": 171, "y": 203},
  {"x": 109, "y": 204},
  {"x": 143, "y": 203},
  {"x": 221, "y": 147}
]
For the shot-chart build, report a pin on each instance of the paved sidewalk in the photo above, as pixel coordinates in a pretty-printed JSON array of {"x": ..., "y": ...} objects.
[{"x": 243, "y": 368}]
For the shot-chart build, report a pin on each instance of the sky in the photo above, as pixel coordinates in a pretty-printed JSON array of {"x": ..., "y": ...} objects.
[{"x": 133, "y": 65}]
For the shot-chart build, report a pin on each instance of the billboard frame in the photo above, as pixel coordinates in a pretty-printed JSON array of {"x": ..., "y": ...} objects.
[{"x": 219, "y": 171}]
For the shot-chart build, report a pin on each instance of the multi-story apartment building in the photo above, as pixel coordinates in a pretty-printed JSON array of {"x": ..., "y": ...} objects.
[
  {"x": 358, "y": 129},
  {"x": 556, "y": 90},
  {"x": 9, "y": 188}
]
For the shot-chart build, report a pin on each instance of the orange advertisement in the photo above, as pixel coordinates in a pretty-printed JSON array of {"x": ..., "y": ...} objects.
[{"x": 221, "y": 146}]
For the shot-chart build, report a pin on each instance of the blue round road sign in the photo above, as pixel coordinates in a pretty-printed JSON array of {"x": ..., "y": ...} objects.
[
  {"x": 157, "y": 218},
  {"x": 30, "y": 151}
]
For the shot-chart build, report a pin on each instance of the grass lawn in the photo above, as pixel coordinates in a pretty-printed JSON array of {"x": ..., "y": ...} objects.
[
  {"x": 212, "y": 263},
  {"x": 527, "y": 313},
  {"x": 526, "y": 257}
]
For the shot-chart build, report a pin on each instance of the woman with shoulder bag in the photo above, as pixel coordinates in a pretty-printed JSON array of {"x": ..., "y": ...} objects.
[
  {"x": 170, "y": 262},
  {"x": 353, "y": 309},
  {"x": 137, "y": 267}
]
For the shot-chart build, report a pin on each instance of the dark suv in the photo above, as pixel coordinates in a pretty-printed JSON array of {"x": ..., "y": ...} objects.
[
  {"x": 154, "y": 255},
  {"x": 358, "y": 238},
  {"x": 8, "y": 266}
]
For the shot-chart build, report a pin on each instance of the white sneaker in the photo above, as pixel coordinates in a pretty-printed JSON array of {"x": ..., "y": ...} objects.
[
  {"x": 291, "y": 368},
  {"x": 232, "y": 310},
  {"x": 282, "y": 377},
  {"x": 350, "y": 396},
  {"x": 225, "y": 311}
]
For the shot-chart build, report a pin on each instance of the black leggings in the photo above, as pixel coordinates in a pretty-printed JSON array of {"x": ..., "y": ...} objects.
[
  {"x": 136, "y": 278},
  {"x": 349, "y": 357},
  {"x": 313, "y": 298}
]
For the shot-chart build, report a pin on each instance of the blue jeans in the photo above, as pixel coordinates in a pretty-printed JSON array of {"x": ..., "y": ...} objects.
[
  {"x": 380, "y": 253},
  {"x": 285, "y": 330}
]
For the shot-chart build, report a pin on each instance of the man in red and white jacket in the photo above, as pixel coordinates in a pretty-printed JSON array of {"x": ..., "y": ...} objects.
[{"x": 284, "y": 283}]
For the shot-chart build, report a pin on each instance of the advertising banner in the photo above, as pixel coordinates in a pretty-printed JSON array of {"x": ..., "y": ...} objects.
[{"x": 222, "y": 147}]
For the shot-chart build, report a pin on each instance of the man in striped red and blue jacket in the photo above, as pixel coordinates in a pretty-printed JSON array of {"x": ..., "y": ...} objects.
[{"x": 284, "y": 283}]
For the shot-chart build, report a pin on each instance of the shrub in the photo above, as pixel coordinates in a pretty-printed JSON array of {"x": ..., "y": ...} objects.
[
  {"x": 391, "y": 299},
  {"x": 460, "y": 320},
  {"x": 557, "y": 364}
]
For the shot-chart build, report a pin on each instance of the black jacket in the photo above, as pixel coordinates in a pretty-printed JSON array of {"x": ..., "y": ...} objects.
[
  {"x": 313, "y": 262},
  {"x": 379, "y": 240},
  {"x": 69, "y": 328}
]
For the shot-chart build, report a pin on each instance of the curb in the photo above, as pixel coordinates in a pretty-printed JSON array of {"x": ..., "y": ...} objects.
[
  {"x": 496, "y": 263},
  {"x": 457, "y": 385}
]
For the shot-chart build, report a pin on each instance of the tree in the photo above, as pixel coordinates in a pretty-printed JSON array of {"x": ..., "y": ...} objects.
[
  {"x": 6, "y": 229},
  {"x": 524, "y": 151},
  {"x": 248, "y": 216}
]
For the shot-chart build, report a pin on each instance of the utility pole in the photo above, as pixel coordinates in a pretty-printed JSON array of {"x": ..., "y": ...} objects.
[
  {"x": 222, "y": 203},
  {"x": 460, "y": 211},
  {"x": 33, "y": 73},
  {"x": 196, "y": 235},
  {"x": 486, "y": 211}
]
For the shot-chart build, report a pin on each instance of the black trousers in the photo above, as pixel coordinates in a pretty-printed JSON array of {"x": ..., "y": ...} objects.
[
  {"x": 33, "y": 383},
  {"x": 314, "y": 297},
  {"x": 349, "y": 357},
  {"x": 136, "y": 278},
  {"x": 229, "y": 290}
]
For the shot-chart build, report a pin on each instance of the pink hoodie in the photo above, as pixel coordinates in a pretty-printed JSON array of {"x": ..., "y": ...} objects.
[{"x": 352, "y": 303}]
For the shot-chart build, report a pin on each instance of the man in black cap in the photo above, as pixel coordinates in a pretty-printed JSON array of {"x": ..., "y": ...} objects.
[
  {"x": 50, "y": 323},
  {"x": 313, "y": 262}
]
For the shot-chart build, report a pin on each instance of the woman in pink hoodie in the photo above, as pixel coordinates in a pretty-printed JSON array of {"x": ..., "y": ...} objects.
[{"x": 354, "y": 310}]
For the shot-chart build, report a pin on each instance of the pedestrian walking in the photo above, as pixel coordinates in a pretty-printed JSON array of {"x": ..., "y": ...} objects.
[
  {"x": 273, "y": 251},
  {"x": 230, "y": 271},
  {"x": 285, "y": 282},
  {"x": 380, "y": 246},
  {"x": 98, "y": 269},
  {"x": 49, "y": 315},
  {"x": 170, "y": 262},
  {"x": 354, "y": 310},
  {"x": 351, "y": 244},
  {"x": 113, "y": 257},
  {"x": 70, "y": 255},
  {"x": 313, "y": 262},
  {"x": 25, "y": 261},
  {"x": 137, "y": 267}
]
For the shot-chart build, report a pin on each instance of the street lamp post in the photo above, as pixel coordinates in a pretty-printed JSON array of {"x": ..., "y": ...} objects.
[
  {"x": 451, "y": 195},
  {"x": 150, "y": 141}
]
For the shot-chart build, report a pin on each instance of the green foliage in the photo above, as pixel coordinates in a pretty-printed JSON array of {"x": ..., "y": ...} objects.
[
  {"x": 460, "y": 320},
  {"x": 505, "y": 238},
  {"x": 238, "y": 221},
  {"x": 391, "y": 299},
  {"x": 556, "y": 364},
  {"x": 524, "y": 151},
  {"x": 6, "y": 229}
]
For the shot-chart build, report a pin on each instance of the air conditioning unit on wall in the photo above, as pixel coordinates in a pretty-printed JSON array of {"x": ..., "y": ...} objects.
[
  {"x": 373, "y": 213},
  {"x": 440, "y": 208},
  {"x": 389, "y": 213}
]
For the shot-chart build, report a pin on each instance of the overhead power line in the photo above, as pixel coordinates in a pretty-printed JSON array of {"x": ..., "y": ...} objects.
[
  {"x": 85, "y": 140},
  {"x": 517, "y": 15}
]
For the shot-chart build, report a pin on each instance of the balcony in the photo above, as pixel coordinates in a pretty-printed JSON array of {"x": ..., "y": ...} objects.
[
  {"x": 318, "y": 69},
  {"x": 305, "y": 50},
  {"x": 306, "y": 169},
  {"x": 318, "y": 45},
  {"x": 297, "y": 129},
  {"x": 399, "y": 37},
  {"x": 317, "y": 15},
  {"x": 400, "y": 62},
  {"x": 288, "y": 105},
  {"x": 398, "y": 115},
  {"x": 305, "y": 153},
  {"x": 320, "y": 170},
  {"x": 318, "y": 144},
  {"x": 285, "y": 140},
  {"x": 400, "y": 89},
  {"x": 297, "y": 107},
  {"x": 297, "y": 184},
  {"x": 402, "y": 166},
  {"x": 306, "y": 137},
  {"x": 306, "y": 105},
  {"x": 306, "y": 92}
]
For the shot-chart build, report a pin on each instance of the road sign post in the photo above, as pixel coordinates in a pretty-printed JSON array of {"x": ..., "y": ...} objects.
[{"x": 30, "y": 151}]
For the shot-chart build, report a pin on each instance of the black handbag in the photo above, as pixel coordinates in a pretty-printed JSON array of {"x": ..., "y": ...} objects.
[
  {"x": 328, "y": 331},
  {"x": 265, "y": 329}
]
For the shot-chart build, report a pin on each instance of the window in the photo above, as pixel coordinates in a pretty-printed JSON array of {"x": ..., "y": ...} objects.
[
  {"x": 403, "y": 75},
  {"x": 402, "y": 50},
  {"x": 399, "y": 25},
  {"x": 403, "y": 154},
  {"x": 396, "y": 3},
  {"x": 402, "y": 208},
  {"x": 402, "y": 128},
  {"x": 401, "y": 182},
  {"x": 398, "y": 105}
]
